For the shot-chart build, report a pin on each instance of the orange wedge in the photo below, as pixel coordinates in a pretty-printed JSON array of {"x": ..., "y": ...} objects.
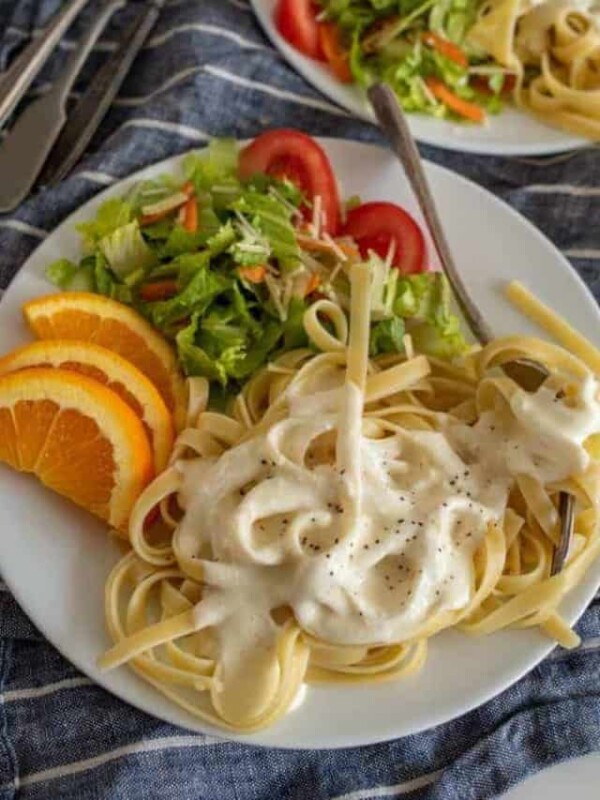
[
  {"x": 79, "y": 437},
  {"x": 111, "y": 370},
  {"x": 100, "y": 320}
]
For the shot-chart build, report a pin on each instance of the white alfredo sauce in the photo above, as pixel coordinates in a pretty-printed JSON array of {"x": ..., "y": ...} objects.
[{"x": 363, "y": 553}]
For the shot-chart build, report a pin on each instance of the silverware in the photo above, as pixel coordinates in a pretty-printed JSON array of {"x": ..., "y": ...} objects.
[
  {"x": 529, "y": 375},
  {"x": 26, "y": 147},
  {"x": 87, "y": 115},
  {"x": 19, "y": 76}
]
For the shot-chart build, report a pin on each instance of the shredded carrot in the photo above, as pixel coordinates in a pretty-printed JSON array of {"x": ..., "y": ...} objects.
[
  {"x": 159, "y": 290},
  {"x": 150, "y": 219},
  {"x": 446, "y": 48},
  {"x": 334, "y": 52},
  {"x": 190, "y": 215},
  {"x": 188, "y": 188},
  {"x": 253, "y": 274},
  {"x": 348, "y": 250},
  {"x": 313, "y": 283},
  {"x": 454, "y": 102}
]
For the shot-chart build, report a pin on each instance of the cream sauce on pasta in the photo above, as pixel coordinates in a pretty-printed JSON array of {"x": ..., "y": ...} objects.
[{"x": 365, "y": 539}]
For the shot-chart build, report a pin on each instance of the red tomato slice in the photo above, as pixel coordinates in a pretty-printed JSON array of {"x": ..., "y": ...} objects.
[
  {"x": 296, "y": 22},
  {"x": 374, "y": 226},
  {"x": 481, "y": 84},
  {"x": 294, "y": 155}
]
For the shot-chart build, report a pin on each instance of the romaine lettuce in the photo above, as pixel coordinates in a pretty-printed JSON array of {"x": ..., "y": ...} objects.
[
  {"x": 126, "y": 251},
  {"x": 111, "y": 215}
]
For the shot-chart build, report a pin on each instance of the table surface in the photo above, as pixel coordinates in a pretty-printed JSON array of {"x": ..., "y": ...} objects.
[{"x": 579, "y": 779}]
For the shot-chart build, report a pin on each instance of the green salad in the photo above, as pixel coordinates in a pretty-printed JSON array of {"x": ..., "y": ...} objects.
[
  {"x": 225, "y": 268},
  {"x": 421, "y": 48}
]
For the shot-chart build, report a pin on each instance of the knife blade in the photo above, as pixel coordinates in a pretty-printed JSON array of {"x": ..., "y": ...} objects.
[
  {"x": 97, "y": 99},
  {"x": 19, "y": 76},
  {"x": 24, "y": 150}
]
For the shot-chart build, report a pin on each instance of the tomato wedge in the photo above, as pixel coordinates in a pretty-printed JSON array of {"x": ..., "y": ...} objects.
[
  {"x": 286, "y": 153},
  {"x": 378, "y": 226},
  {"x": 481, "y": 84},
  {"x": 296, "y": 22}
]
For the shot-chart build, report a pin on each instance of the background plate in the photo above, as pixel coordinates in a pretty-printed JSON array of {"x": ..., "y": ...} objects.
[
  {"x": 55, "y": 558},
  {"x": 510, "y": 133}
]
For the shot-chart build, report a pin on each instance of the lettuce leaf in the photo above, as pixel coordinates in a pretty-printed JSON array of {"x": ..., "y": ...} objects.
[
  {"x": 180, "y": 241},
  {"x": 223, "y": 345},
  {"x": 425, "y": 300},
  {"x": 104, "y": 280},
  {"x": 213, "y": 171},
  {"x": 386, "y": 337},
  {"x": 111, "y": 215},
  {"x": 195, "y": 360},
  {"x": 222, "y": 239},
  {"x": 433, "y": 342},
  {"x": 279, "y": 188},
  {"x": 270, "y": 220},
  {"x": 258, "y": 352},
  {"x": 293, "y": 327},
  {"x": 194, "y": 299},
  {"x": 126, "y": 251},
  {"x": 61, "y": 272}
]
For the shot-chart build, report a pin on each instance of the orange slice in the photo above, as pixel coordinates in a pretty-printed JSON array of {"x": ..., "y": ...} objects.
[
  {"x": 100, "y": 320},
  {"x": 79, "y": 437},
  {"x": 111, "y": 370}
]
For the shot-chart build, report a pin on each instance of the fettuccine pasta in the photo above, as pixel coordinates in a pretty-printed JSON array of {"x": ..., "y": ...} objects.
[
  {"x": 553, "y": 47},
  {"x": 346, "y": 511}
]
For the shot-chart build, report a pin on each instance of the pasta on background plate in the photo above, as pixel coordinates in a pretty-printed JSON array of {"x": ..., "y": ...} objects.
[{"x": 553, "y": 48}]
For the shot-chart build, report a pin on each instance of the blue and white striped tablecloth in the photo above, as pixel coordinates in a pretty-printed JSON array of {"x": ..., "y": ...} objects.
[{"x": 207, "y": 71}]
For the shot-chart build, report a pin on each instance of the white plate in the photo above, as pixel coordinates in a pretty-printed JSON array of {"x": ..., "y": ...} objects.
[
  {"x": 55, "y": 558},
  {"x": 510, "y": 133}
]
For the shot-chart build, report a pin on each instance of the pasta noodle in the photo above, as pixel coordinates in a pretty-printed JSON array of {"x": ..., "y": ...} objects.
[
  {"x": 285, "y": 559},
  {"x": 553, "y": 48},
  {"x": 539, "y": 313}
]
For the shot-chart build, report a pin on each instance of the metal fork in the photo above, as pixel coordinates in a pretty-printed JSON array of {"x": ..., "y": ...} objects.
[{"x": 528, "y": 374}]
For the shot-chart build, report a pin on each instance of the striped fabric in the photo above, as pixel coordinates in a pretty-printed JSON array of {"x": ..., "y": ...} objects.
[{"x": 207, "y": 70}]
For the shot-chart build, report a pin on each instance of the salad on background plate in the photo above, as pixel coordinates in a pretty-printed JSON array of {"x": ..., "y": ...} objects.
[{"x": 459, "y": 60}]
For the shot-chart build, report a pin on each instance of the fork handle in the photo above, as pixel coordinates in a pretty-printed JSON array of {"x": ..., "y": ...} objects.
[
  {"x": 394, "y": 125},
  {"x": 19, "y": 76}
]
